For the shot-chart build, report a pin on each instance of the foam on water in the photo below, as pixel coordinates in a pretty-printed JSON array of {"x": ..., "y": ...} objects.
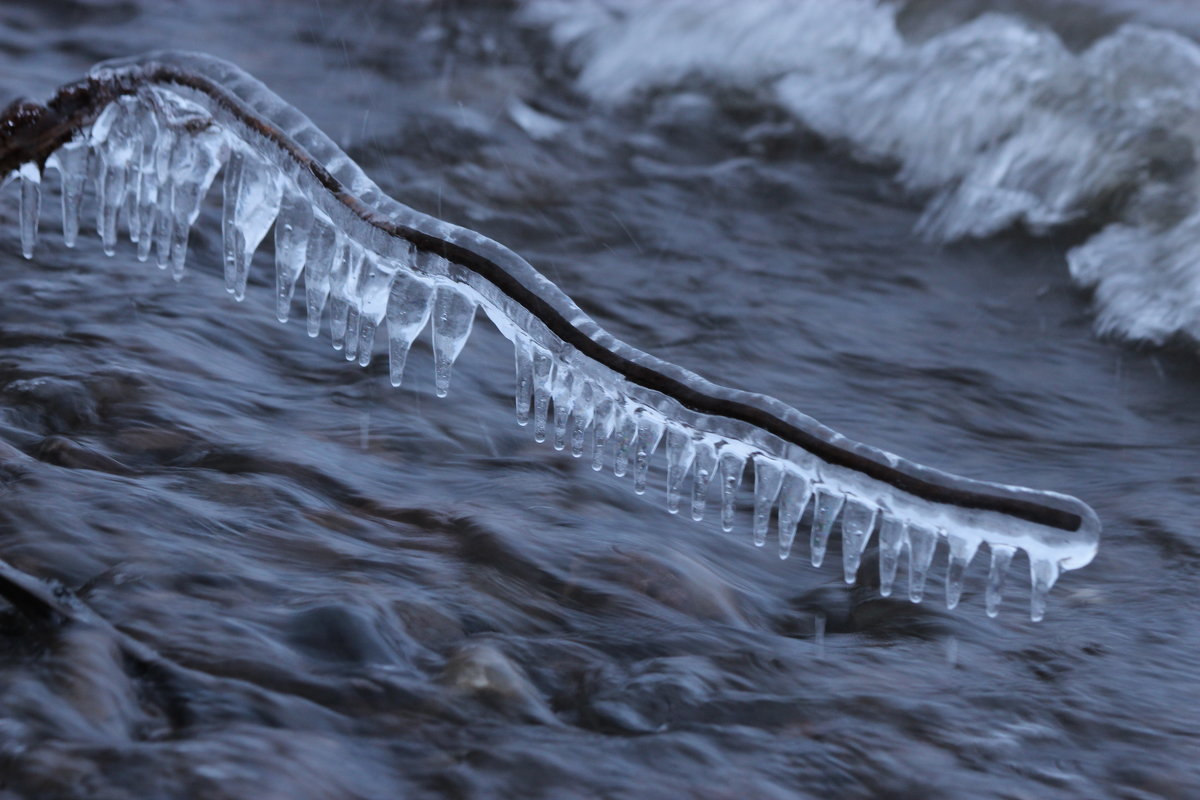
[{"x": 995, "y": 122}]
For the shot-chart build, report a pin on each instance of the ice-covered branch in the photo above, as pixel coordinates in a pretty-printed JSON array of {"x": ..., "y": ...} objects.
[{"x": 150, "y": 135}]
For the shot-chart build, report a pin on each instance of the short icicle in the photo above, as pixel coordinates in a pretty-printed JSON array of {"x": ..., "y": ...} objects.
[
  {"x": 71, "y": 161},
  {"x": 1043, "y": 572},
  {"x": 625, "y": 437},
  {"x": 195, "y": 161},
  {"x": 962, "y": 550},
  {"x": 143, "y": 175},
  {"x": 858, "y": 521},
  {"x": 564, "y": 401},
  {"x": 893, "y": 536},
  {"x": 523, "y": 351},
  {"x": 825, "y": 512},
  {"x": 732, "y": 467},
  {"x": 582, "y": 409},
  {"x": 292, "y": 228},
  {"x": 793, "y": 499},
  {"x": 343, "y": 299},
  {"x": 31, "y": 206},
  {"x": 374, "y": 291},
  {"x": 116, "y": 140},
  {"x": 680, "y": 452},
  {"x": 1002, "y": 556},
  {"x": 409, "y": 306},
  {"x": 921, "y": 544},
  {"x": 649, "y": 434},
  {"x": 543, "y": 378},
  {"x": 252, "y": 197},
  {"x": 768, "y": 480},
  {"x": 605, "y": 419},
  {"x": 324, "y": 245},
  {"x": 704, "y": 467}
]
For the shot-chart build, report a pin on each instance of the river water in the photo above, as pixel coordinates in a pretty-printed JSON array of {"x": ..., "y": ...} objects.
[{"x": 405, "y": 596}]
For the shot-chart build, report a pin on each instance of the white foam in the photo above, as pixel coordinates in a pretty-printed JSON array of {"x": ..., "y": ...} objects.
[{"x": 995, "y": 122}]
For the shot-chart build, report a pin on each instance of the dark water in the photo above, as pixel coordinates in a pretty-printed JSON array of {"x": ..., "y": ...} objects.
[{"x": 404, "y": 596}]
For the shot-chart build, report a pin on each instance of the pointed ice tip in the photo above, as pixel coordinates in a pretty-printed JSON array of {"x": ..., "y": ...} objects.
[
  {"x": 952, "y": 598},
  {"x": 442, "y": 391}
]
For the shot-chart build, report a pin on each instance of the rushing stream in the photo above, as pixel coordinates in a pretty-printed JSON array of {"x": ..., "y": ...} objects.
[{"x": 375, "y": 592}]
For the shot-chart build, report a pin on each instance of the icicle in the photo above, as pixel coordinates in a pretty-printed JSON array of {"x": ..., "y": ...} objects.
[
  {"x": 343, "y": 300},
  {"x": 893, "y": 535},
  {"x": 581, "y": 415},
  {"x": 1002, "y": 556},
  {"x": 231, "y": 244},
  {"x": 354, "y": 323},
  {"x": 524, "y": 396},
  {"x": 164, "y": 225},
  {"x": 793, "y": 498},
  {"x": 154, "y": 196},
  {"x": 704, "y": 466},
  {"x": 732, "y": 466},
  {"x": 562, "y": 394},
  {"x": 143, "y": 176},
  {"x": 650, "y": 433},
  {"x": 116, "y": 139},
  {"x": 252, "y": 195},
  {"x": 410, "y": 303},
  {"x": 110, "y": 198},
  {"x": 543, "y": 377},
  {"x": 768, "y": 479},
  {"x": 626, "y": 436},
  {"x": 680, "y": 452},
  {"x": 347, "y": 260},
  {"x": 454, "y": 314},
  {"x": 858, "y": 520},
  {"x": 195, "y": 161},
  {"x": 962, "y": 550},
  {"x": 324, "y": 245},
  {"x": 921, "y": 544},
  {"x": 825, "y": 512},
  {"x": 291, "y": 246},
  {"x": 602, "y": 429},
  {"x": 31, "y": 206},
  {"x": 71, "y": 161},
  {"x": 1043, "y": 573},
  {"x": 373, "y": 293}
]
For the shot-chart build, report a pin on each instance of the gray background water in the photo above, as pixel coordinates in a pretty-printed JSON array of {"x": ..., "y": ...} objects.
[{"x": 408, "y": 597}]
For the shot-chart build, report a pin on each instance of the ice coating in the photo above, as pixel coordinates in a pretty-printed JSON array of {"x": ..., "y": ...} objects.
[{"x": 368, "y": 260}]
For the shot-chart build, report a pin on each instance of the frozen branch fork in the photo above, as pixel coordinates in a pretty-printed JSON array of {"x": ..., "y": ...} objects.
[{"x": 150, "y": 135}]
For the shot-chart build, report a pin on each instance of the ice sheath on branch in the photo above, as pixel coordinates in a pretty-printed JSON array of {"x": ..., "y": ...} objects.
[{"x": 149, "y": 136}]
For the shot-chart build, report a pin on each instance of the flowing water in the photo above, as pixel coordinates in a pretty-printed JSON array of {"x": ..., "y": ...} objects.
[{"x": 400, "y": 595}]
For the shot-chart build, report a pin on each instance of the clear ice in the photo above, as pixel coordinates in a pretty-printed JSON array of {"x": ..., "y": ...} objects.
[{"x": 150, "y": 158}]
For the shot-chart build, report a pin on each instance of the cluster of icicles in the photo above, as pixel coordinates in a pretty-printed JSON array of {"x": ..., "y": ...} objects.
[{"x": 150, "y": 158}]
